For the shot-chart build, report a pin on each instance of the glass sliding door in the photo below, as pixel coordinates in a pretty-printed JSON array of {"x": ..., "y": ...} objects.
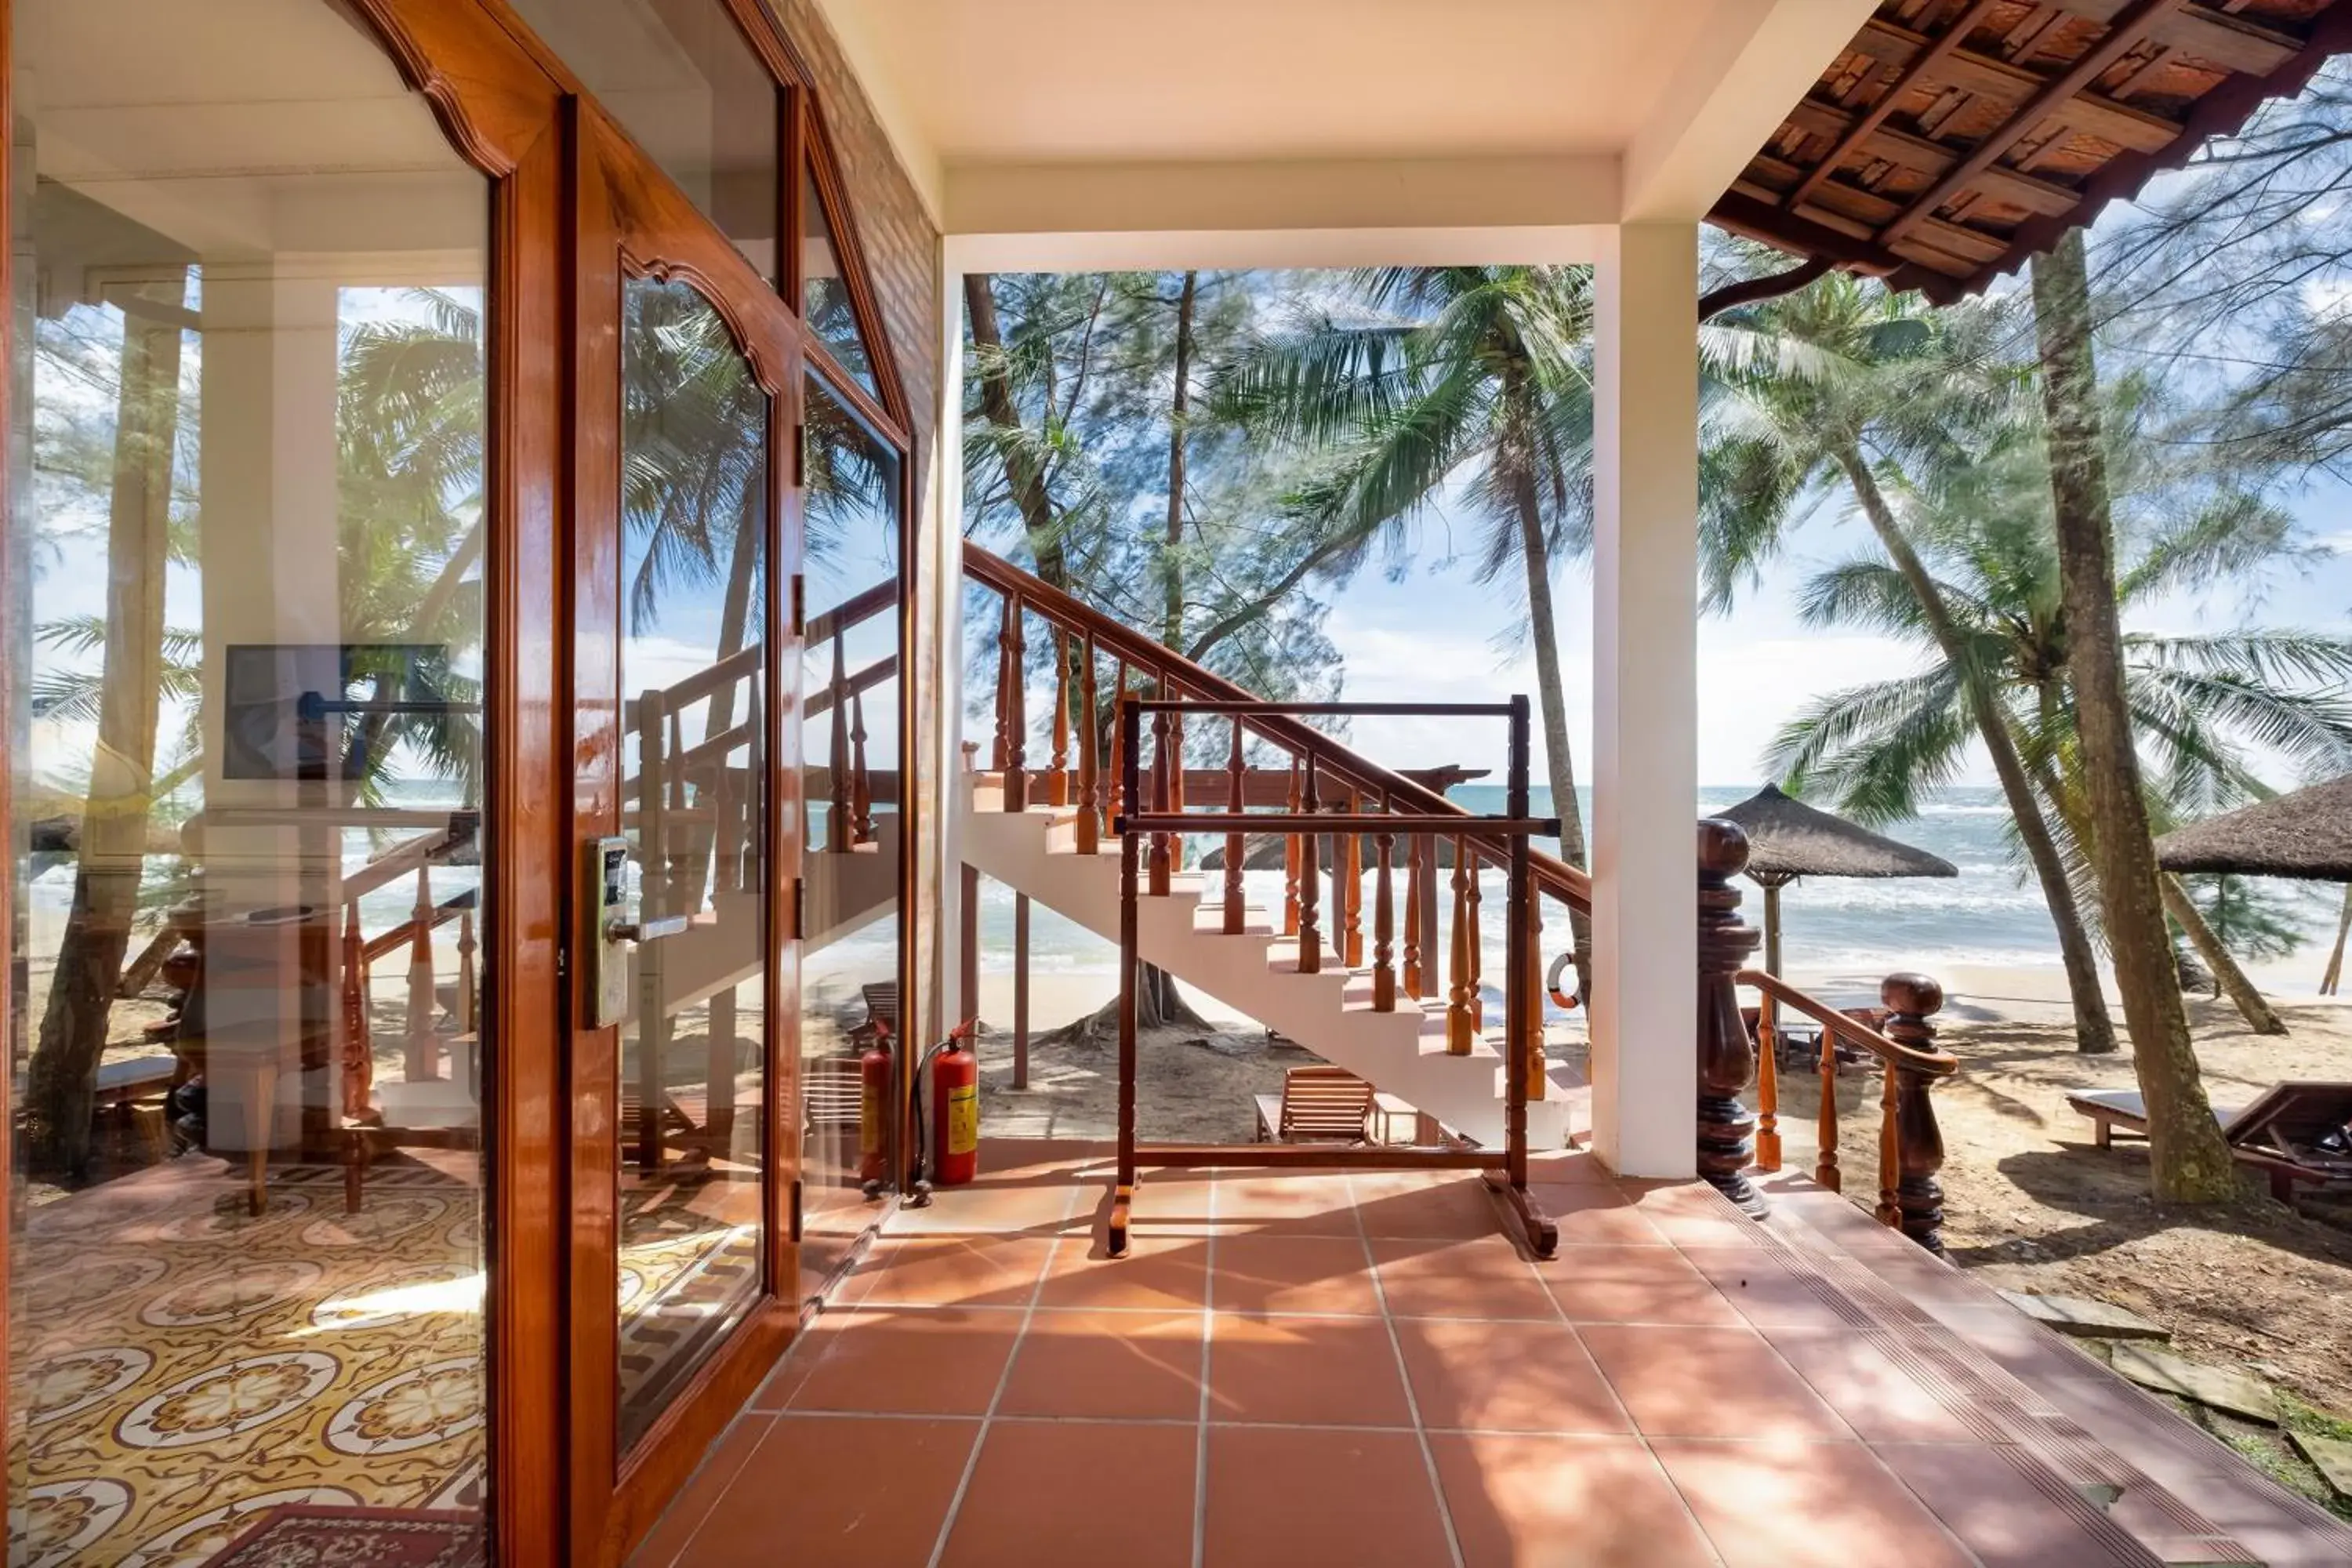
[
  {"x": 693, "y": 1067},
  {"x": 250, "y": 1049},
  {"x": 853, "y": 798}
]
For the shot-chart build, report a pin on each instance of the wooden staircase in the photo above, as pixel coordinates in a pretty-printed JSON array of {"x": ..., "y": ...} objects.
[{"x": 1255, "y": 971}]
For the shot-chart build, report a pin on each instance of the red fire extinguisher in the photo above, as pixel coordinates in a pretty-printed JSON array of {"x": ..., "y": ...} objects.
[
  {"x": 955, "y": 1110},
  {"x": 875, "y": 1077}
]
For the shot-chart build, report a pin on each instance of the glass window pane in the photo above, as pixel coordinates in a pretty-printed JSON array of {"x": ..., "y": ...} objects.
[
  {"x": 824, "y": 298},
  {"x": 851, "y": 761},
  {"x": 247, "y": 1261},
  {"x": 683, "y": 81},
  {"x": 694, "y": 446}
]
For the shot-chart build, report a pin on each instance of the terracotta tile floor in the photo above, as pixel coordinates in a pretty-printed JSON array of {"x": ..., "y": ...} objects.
[{"x": 1364, "y": 1371}]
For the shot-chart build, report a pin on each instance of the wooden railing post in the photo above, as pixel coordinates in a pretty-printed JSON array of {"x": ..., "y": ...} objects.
[
  {"x": 1011, "y": 713},
  {"x": 1058, "y": 790},
  {"x": 1726, "y": 1063},
  {"x": 1384, "y": 977},
  {"x": 968, "y": 969},
  {"x": 1290, "y": 862},
  {"x": 359, "y": 1032},
  {"x": 421, "y": 1063},
  {"x": 1532, "y": 978},
  {"x": 1911, "y": 1000},
  {"x": 1160, "y": 764},
  {"x": 1112, "y": 805},
  {"x": 861, "y": 781},
  {"x": 840, "y": 824},
  {"x": 1476, "y": 947},
  {"x": 1020, "y": 990},
  {"x": 1310, "y": 875},
  {"x": 1413, "y": 847},
  {"x": 1236, "y": 802},
  {"x": 1459, "y": 1031},
  {"x": 1090, "y": 804},
  {"x": 1174, "y": 753},
  {"x": 1825, "y": 1124},
  {"x": 1350, "y": 872}
]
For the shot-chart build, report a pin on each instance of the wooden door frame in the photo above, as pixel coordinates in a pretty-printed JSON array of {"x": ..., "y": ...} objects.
[{"x": 631, "y": 221}]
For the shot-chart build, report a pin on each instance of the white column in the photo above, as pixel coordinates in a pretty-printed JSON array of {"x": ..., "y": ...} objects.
[{"x": 1645, "y": 700}]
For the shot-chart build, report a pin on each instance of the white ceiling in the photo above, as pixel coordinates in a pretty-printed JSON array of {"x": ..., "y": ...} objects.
[
  {"x": 1030, "y": 80},
  {"x": 1121, "y": 117}
]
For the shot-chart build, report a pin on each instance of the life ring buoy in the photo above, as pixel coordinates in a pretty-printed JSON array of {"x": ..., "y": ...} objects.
[{"x": 1566, "y": 1001}]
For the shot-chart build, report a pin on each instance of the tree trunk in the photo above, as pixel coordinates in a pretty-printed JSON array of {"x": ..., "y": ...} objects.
[
  {"x": 2094, "y": 1032},
  {"x": 1180, "y": 403},
  {"x": 1158, "y": 1005},
  {"x": 2188, "y": 1157},
  {"x": 1021, "y": 471},
  {"x": 62, "y": 1077},
  {"x": 2335, "y": 976},
  {"x": 1551, "y": 698},
  {"x": 2260, "y": 1016}
]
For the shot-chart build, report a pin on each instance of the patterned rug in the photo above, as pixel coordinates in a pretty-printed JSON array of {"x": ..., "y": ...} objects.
[
  {"x": 182, "y": 1368},
  {"x": 355, "y": 1537}
]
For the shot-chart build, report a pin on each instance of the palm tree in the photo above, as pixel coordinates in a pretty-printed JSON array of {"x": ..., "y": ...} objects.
[
  {"x": 2202, "y": 705},
  {"x": 1836, "y": 388},
  {"x": 1445, "y": 379}
]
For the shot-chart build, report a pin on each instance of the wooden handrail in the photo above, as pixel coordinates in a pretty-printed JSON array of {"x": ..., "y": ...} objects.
[
  {"x": 406, "y": 856},
  {"x": 442, "y": 914},
  {"x": 1935, "y": 1064},
  {"x": 1341, "y": 767},
  {"x": 859, "y": 608}
]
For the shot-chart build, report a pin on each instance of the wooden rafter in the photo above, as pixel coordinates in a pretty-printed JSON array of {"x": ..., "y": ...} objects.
[{"x": 1953, "y": 139}]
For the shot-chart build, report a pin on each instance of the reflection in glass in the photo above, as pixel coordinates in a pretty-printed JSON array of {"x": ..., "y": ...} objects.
[
  {"x": 852, "y": 759},
  {"x": 825, "y": 295},
  {"x": 684, "y": 83},
  {"x": 694, "y": 444},
  {"x": 247, "y": 1271}
]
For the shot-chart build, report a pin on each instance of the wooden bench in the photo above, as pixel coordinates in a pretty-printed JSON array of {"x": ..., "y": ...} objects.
[{"x": 1316, "y": 1105}]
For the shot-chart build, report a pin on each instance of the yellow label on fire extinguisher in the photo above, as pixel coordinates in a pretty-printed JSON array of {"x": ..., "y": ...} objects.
[
  {"x": 963, "y": 1119},
  {"x": 869, "y": 1121}
]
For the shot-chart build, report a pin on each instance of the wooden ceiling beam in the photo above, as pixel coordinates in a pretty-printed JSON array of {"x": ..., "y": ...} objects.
[
  {"x": 2005, "y": 83},
  {"x": 1932, "y": 158},
  {"x": 1920, "y": 65},
  {"x": 2211, "y": 36},
  {"x": 2129, "y": 30}
]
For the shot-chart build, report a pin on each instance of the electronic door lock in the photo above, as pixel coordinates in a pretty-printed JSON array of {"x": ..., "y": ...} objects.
[{"x": 613, "y": 925}]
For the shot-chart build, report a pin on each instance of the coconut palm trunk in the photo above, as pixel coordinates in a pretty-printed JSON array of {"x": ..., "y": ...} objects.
[
  {"x": 2189, "y": 1162},
  {"x": 2260, "y": 1016},
  {"x": 1551, "y": 696},
  {"x": 2094, "y": 1032},
  {"x": 62, "y": 1077},
  {"x": 2335, "y": 976}
]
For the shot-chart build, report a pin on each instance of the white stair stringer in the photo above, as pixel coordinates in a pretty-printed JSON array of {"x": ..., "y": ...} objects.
[{"x": 1255, "y": 974}]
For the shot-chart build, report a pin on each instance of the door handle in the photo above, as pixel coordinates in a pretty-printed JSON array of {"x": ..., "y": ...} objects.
[{"x": 642, "y": 931}]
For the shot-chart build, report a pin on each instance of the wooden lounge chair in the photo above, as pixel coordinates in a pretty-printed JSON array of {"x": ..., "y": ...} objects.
[
  {"x": 2292, "y": 1132},
  {"x": 1316, "y": 1105}
]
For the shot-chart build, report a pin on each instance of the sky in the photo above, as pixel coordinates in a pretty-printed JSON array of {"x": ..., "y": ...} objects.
[{"x": 1431, "y": 636}]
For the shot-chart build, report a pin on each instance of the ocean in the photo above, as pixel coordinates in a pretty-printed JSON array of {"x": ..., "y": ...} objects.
[{"x": 1987, "y": 916}]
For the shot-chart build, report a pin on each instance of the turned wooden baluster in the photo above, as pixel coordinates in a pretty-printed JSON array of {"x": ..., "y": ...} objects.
[
  {"x": 1413, "y": 847},
  {"x": 1290, "y": 862},
  {"x": 1117, "y": 741},
  {"x": 1384, "y": 977},
  {"x": 423, "y": 1049},
  {"x": 1768, "y": 1091},
  {"x": 1160, "y": 841},
  {"x": 1058, "y": 790},
  {"x": 1236, "y": 801},
  {"x": 1459, "y": 1031},
  {"x": 1310, "y": 877},
  {"x": 861, "y": 781},
  {"x": 841, "y": 819},
  {"x": 1012, "y": 711},
  {"x": 1911, "y": 1000},
  {"x": 1890, "y": 1172},
  {"x": 1350, "y": 869},
  {"x": 1477, "y": 951},
  {"x": 1533, "y": 1045},
  {"x": 1090, "y": 823},
  {"x": 1175, "y": 777},
  {"x": 359, "y": 1036},
  {"x": 468, "y": 994},
  {"x": 1726, "y": 1062},
  {"x": 1825, "y": 1125}
]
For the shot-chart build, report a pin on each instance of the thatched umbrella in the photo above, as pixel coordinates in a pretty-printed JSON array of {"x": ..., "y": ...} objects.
[
  {"x": 2306, "y": 835},
  {"x": 1788, "y": 839}
]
